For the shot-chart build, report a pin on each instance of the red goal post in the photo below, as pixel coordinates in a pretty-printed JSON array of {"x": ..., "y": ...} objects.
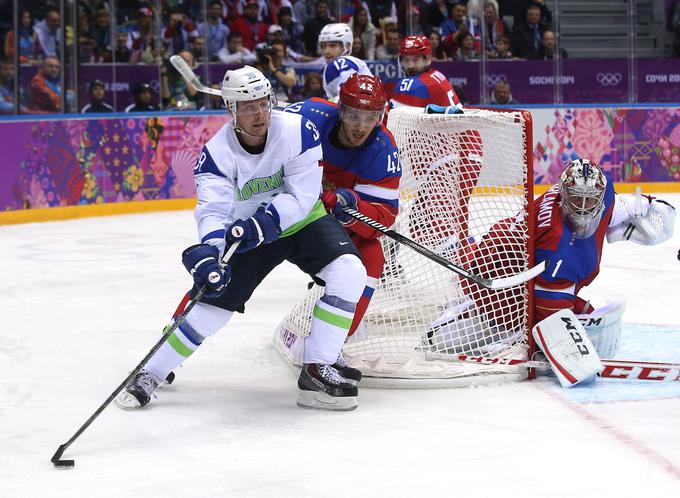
[{"x": 465, "y": 193}]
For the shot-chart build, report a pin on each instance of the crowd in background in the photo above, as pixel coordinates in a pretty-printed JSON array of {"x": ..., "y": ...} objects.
[{"x": 274, "y": 35}]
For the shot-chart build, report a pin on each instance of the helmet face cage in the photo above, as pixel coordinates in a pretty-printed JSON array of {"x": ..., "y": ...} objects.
[{"x": 582, "y": 188}]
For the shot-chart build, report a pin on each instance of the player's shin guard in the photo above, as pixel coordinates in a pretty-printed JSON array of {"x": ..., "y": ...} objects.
[
  {"x": 179, "y": 346},
  {"x": 363, "y": 303}
]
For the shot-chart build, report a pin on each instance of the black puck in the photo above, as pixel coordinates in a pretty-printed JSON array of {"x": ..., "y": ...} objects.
[
  {"x": 678, "y": 254},
  {"x": 65, "y": 464}
]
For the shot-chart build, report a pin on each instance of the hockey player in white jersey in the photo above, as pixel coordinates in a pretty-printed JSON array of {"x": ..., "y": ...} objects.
[
  {"x": 258, "y": 182},
  {"x": 335, "y": 43}
]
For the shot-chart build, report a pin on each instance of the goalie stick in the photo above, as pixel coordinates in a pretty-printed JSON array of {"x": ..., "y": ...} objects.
[
  {"x": 613, "y": 369},
  {"x": 56, "y": 458},
  {"x": 489, "y": 283}
]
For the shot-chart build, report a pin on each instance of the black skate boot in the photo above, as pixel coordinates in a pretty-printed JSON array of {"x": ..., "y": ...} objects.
[
  {"x": 352, "y": 375},
  {"x": 138, "y": 392},
  {"x": 323, "y": 388}
]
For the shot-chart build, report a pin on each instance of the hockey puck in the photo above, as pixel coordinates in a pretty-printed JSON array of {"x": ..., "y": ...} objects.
[
  {"x": 678, "y": 254},
  {"x": 65, "y": 464}
]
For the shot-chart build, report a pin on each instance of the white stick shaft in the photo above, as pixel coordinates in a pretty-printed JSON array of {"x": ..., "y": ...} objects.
[{"x": 190, "y": 77}]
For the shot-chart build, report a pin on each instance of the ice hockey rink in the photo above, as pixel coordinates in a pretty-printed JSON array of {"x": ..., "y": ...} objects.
[{"x": 84, "y": 300}]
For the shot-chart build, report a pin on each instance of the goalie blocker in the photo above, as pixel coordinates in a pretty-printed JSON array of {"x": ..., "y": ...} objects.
[{"x": 565, "y": 343}]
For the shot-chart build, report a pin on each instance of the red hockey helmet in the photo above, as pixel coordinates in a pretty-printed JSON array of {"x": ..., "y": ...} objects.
[
  {"x": 362, "y": 91},
  {"x": 415, "y": 45}
]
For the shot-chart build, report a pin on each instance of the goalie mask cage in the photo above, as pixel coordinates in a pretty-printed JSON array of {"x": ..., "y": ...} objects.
[{"x": 464, "y": 193}]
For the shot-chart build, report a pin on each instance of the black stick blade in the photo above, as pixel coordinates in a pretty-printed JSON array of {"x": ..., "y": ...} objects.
[{"x": 58, "y": 462}]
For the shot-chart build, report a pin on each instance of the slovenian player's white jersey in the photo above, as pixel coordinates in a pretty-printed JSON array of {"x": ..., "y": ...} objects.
[
  {"x": 338, "y": 71},
  {"x": 232, "y": 183}
]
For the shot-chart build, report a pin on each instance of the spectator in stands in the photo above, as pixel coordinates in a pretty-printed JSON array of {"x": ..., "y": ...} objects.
[
  {"x": 436, "y": 13},
  {"x": 502, "y": 50},
  {"x": 420, "y": 27},
  {"x": 380, "y": 9},
  {"x": 198, "y": 49},
  {"x": 215, "y": 102},
  {"x": 495, "y": 27},
  {"x": 547, "y": 50},
  {"x": 546, "y": 15},
  {"x": 180, "y": 31},
  {"x": 213, "y": 30},
  {"x": 292, "y": 30},
  {"x": 28, "y": 45},
  {"x": 466, "y": 47},
  {"x": 6, "y": 87},
  {"x": 122, "y": 53},
  {"x": 501, "y": 94},
  {"x": 142, "y": 35},
  {"x": 193, "y": 9},
  {"x": 456, "y": 22},
  {"x": 46, "y": 87},
  {"x": 252, "y": 31},
  {"x": 390, "y": 49},
  {"x": 48, "y": 32},
  {"x": 96, "y": 104},
  {"x": 526, "y": 36},
  {"x": 313, "y": 87},
  {"x": 101, "y": 34},
  {"x": 438, "y": 53},
  {"x": 235, "y": 53},
  {"x": 142, "y": 95},
  {"x": 362, "y": 28},
  {"x": 271, "y": 63},
  {"x": 358, "y": 49},
  {"x": 313, "y": 27},
  {"x": 176, "y": 94}
]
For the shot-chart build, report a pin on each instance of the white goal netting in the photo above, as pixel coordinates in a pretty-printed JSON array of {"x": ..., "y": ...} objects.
[{"x": 463, "y": 194}]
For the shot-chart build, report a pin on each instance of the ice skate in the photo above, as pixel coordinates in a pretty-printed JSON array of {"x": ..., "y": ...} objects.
[
  {"x": 323, "y": 388},
  {"x": 352, "y": 375},
  {"x": 138, "y": 392}
]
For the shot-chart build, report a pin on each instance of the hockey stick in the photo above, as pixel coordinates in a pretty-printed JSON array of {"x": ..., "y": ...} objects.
[
  {"x": 495, "y": 283},
  {"x": 56, "y": 458},
  {"x": 613, "y": 369},
  {"x": 189, "y": 75}
]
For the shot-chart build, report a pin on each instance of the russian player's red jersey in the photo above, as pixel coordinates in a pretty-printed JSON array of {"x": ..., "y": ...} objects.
[{"x": 430, "y": 87}]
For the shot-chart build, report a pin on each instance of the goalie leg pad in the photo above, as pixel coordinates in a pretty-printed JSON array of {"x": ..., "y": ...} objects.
[
  {"x": 604, "y": 328},
  {"x": 565, "y": 342}
]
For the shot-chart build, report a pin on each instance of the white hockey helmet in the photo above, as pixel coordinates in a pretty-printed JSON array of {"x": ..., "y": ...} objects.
[
  {"x": 338, "y": 32},
  {"x": 582, "y": 188},
  {"x": 245, "y": 84}
]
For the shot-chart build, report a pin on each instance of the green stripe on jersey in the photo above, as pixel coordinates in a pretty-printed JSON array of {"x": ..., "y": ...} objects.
[
  {"x": 318, "y": 211},
  {"x": 179, "y": 346},
  {"x": 332, "y": 318}
]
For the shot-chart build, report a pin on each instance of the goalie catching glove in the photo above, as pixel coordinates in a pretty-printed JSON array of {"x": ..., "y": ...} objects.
[
  {"x": 566, "y": 345},
  {"x": 650, "y": 221},
  {"x": 203, "y": 263},
  {"x": 261, "y": 228}
]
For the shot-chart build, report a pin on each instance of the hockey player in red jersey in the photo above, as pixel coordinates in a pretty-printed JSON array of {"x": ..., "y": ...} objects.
[
  {"x": 361, "y": 168},
  {"x": 422, "y": 85}
]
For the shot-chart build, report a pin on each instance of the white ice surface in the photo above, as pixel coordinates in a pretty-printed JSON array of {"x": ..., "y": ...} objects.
[{"x": 82, "y": 301}]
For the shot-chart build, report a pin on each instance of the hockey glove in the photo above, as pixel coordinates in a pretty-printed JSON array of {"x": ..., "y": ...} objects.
[
  {"x": 336, "y": 201},
  {"x": 203, "y": 263},
  {"x": 261, "y": 228}
]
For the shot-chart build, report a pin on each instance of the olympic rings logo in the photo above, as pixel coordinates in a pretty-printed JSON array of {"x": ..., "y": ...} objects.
[
  {"x": 492, "y": 79},
  {"x": 609, "y": 79}
]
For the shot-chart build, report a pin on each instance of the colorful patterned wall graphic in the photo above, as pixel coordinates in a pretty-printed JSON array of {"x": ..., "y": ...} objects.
[
  {"x": 71, "y": 162},
  {"x": 633, "y": 145}
]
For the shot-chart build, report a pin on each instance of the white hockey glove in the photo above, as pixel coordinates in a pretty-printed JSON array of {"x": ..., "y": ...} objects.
[
  {"x": 603, "y": 326},
  {"x": 650, "y": 220},
  {"x": 565, "y": 343}
]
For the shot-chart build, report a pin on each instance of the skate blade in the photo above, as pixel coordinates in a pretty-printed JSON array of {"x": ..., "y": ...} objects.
[
  {"x": 321, "y": 401},
  {"x": 126, "y": 401}
]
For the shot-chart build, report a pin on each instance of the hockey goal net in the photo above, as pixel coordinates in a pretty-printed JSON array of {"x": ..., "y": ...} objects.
[{"x": 464, "y": 194}]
